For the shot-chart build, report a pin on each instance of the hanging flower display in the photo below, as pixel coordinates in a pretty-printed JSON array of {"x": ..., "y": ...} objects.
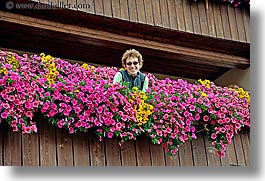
[{"x": 79, "y": 97}]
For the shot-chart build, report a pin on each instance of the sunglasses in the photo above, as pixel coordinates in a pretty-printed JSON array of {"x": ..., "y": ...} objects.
[{"x": 130, "y": 63}]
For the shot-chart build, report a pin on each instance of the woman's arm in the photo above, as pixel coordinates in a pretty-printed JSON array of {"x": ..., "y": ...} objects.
[
  {"x": 145, "y": 86},
  {"x": 117, "y": 78}
]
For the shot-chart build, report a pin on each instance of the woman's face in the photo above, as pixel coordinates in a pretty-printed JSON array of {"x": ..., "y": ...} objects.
[{"x": 132, "y": 66}]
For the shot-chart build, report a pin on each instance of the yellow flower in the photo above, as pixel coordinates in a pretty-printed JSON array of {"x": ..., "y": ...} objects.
[
  {"x": 143, "y": 109},
  {"x": 206, "y": 82},
  {"x": 134, "y": 89},
  {"x": 242, "y": 93},
  {"x": 3, "y": 70},
  {"x": 204, "y": 95},
  {"x": 85, "y": 66},
  {"x": 49, "y": 57}
]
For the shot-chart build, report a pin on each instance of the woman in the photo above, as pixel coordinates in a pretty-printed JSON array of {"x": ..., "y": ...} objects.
[{"x": 132, "y": 62}]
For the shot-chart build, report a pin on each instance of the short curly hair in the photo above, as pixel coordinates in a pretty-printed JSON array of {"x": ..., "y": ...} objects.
[{"x": 134, "y": 54}]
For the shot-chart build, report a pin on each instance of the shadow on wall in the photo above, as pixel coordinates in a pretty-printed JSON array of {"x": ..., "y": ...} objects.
[{"x": 235, "y": 77}]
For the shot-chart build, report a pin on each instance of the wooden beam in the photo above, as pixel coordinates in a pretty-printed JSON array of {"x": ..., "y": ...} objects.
[{"x": 107, "y": 39}]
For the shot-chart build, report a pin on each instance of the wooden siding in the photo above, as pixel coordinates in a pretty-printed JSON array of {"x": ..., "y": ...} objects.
[
  {"x": 219, "y": 20},
  {"x": 55, "y": 147},
  {"x": 205, "y": 57}
]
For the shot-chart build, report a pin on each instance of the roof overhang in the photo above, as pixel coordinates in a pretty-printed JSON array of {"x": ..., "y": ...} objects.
[{"x": 89, "y": 38}]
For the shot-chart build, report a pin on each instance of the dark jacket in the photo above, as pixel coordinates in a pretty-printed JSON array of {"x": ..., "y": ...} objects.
[{"x": 137, "y": 81}]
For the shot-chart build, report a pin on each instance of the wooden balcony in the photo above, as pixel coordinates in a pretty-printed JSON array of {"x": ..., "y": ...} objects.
[
  {"x": 175, "y": 37},
  {"x": 54, "y": 147}
]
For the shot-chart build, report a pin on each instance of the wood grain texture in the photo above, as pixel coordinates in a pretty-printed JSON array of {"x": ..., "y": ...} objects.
[
  {"x": 113, "y": 155},
  {"x": 99, "y": 8},
  {"x": 240, "y": 25},
  {"x": 128, "y": 153},
  {"x": 86, "y": 150},
  {"x": 232, "y": 22},
  {"x": 212, "y": 158},
  {"x": 107, "y": 5},
  {"x": 187, "y": 16},
  {"x": 246, "y": 146},
  {"x": 246, "y": 21},
  {"x": 210, "y": 20},
  {"x": 30, "y": 149},
  {"x": 116, "y": 8},
  {"x": 172, "y": 14},
  {"x": 225, "y": 21},
  {"x": 164, "y": 14},
  {"x": 97, "y": 150},
  {"x": 203, "y": 18},
  {"x": 157, "y": 155},
  {"x": 140, "y": 11},
  {"x": 143, "y": 156},
  {"x": 185, "y": 154},
  {"x": 124, "y": 10},
  {"x": 157, "y": 13},
  {"x": 195, "y": 18},
  {"x": 133, "y": 16},
  {"x": 218, "y": 21},
  {"x": 64, "y": 147},
  {"x": 81, "y": 149},
  {"x": 230, "y": 158},
  {"x": 48, "y": 153},
  {"x": 199, "y": 153},
  {"x": 149, "y": 12},
  {"x": 12, "y": 148}
]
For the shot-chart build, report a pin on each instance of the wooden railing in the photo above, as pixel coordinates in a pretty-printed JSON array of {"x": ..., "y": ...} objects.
[{"x": 55, "y": 147}]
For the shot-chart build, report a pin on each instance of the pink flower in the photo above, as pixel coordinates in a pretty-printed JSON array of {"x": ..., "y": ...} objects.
[
  {"x": 213, "y": 122},
  {"x": 74, "y": 102},
  {"x": 192, "y": 108},
  {"x": 11, "y": 98},
  {"x": 47, "y": 94},
  {"x": 29, "y": 114},
  {"x": 193, "y": 135},
  {"x": 159, "y": 132},
  {"x": 33, "y": 127},
  {"x": 237, "y": 125},
  {"x": 110, "y": 134},
  {"x": 221, "y": 154},
  {"x": 197, "y": 117},
  {"x": 35, "y": 104},
  {"x": 99, "y": 110},
  {"x": 206, "y": 118},
  {"x": 186, "y": 113},
  {"x": 6, "y": 106},
  {"x": 213, "y": 136},
  {"x": 71, "y": 130},
  {"x": 26, "y": 129},
  {"x": 60, "y": 124},
  {"x": 174, "y": 151},
  {"x": 28, "y": 105},
  {"x": 4, "y": 115},
  {"x": 66, "y": 99},
  {"x": 172, "y": 135}
]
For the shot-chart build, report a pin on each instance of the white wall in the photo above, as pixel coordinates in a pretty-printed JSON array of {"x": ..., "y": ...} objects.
[{"x": 235, "y": 77}]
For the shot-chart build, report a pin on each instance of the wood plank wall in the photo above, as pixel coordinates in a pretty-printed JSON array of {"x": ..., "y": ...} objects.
[
  {"x": 220, "y": 20},
  {"x": 55, "y": 147}
]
